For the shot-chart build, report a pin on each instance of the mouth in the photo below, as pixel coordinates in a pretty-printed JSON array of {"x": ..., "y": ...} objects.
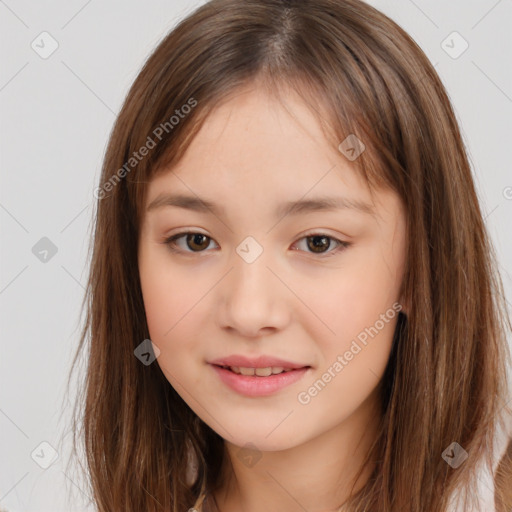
[
  {"x": 258, "y": 372},
  {"x": 258, "y": 381}
]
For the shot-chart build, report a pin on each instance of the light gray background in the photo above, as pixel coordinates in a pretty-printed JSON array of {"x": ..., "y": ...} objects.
[{"x": 56, "y": 115}]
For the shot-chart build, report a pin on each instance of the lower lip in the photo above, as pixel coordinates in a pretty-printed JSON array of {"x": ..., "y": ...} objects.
[{"x": 250, "y": 385}]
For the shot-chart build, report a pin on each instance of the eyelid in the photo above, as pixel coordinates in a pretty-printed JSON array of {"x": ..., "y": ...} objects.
[
  {"x": 170, "y": 240},
  {"x": 342, "y": 244}
]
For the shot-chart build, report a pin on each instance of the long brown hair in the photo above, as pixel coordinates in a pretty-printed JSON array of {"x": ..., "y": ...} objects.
[{"x": 446, "y": 379}]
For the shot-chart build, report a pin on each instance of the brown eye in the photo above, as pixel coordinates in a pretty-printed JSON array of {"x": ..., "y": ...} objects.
[
  {"x": 318, "y": 243},
  {"x": 322, "y": 244},
  {"x": 194, "y": 242},
  {"x": 197, "y": 241}
]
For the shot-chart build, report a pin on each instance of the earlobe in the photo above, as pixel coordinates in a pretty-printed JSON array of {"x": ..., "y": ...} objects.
[{"x": 404, "y": 303}]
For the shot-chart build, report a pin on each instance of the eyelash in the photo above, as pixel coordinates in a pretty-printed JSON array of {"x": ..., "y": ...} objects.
[{"x": 171, "y": 243}]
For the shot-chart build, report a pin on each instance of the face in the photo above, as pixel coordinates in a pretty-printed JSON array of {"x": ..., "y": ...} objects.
[{"x": 235, "y": 271}]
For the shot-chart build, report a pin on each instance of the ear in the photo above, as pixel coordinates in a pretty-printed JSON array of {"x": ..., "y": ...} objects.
[{"x": 405, "y": 303}]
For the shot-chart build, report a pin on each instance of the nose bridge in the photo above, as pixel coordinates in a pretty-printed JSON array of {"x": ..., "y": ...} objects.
[{"x": 251, "y": 297}]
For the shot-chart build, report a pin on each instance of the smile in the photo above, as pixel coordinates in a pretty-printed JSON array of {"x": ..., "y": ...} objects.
[
  {"x": 249, "y": 381},
  {"x": 260, "y": 372}
]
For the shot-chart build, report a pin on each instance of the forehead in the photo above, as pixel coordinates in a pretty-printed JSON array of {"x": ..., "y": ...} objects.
[
  {"x": 253, "y": 128},
  {"x": 254, "y": 144},
  {"x": 256, "y": 155}
]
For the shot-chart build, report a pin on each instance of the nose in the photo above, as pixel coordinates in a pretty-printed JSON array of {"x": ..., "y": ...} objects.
[{"x": 252, "y": 300}]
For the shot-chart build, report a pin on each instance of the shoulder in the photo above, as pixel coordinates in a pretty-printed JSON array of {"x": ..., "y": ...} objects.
[
  {"x": 200, "y": 505},
  {"x": 486, "y": 486}
]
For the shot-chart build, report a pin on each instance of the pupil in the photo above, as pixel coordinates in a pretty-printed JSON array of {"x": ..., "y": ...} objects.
[
  {"x": 319, "y": 242},
  {"x": 198, "y": 236},
  {"x": 315, "y": 243}
]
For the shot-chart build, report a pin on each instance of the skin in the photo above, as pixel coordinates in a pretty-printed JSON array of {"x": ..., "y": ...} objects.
[{"x": 291, "y": 302}]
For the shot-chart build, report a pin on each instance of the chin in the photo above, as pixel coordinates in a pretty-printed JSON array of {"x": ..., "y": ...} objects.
[{"x": 260, "y": 441}]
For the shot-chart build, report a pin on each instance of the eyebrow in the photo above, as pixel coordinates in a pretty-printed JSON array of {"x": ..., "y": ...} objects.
[{"x": 301, "y": 206}]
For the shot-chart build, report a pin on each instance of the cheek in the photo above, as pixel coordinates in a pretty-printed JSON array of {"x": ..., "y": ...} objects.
[
  {"x": 353, "y": 299},
  {"x": 169, "y": 311},
  {"x": 170, "y": 303},
  {"x": 352, "y": 362},
  {"x": 358, "y": 310},
  {"x": 168, "y": 293},
  {"x": 160, "y": 303}
]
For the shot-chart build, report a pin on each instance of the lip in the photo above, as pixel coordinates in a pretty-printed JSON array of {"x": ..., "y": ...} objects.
[
  {"x": 258, "y": 362},
  {"x": 252, "y": 385}
]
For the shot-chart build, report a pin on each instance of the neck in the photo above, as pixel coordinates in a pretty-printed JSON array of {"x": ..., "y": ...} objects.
[{"x": 317, "y": 476}]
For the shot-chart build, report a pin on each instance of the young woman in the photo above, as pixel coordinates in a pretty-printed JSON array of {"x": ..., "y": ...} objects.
[{"x": 293, "y": 302}]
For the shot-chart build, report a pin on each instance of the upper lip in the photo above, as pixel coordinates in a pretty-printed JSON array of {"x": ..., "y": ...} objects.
[{"x": 258, "y": 362}]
